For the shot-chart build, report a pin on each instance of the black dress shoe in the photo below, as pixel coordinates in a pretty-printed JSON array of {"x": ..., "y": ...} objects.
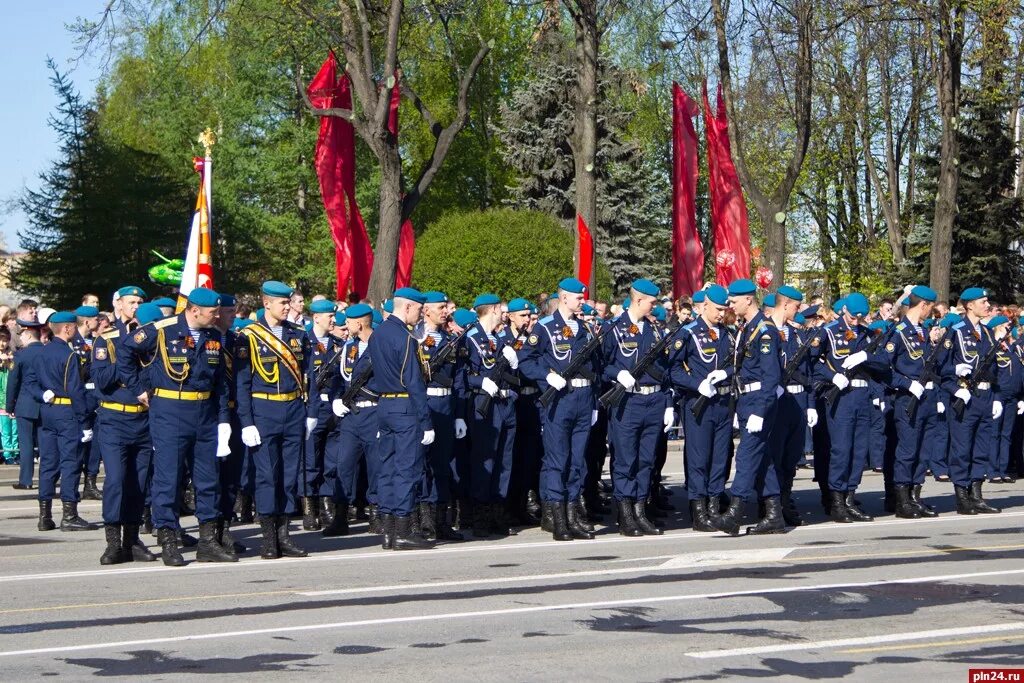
[{"x": 22, "y": 487}]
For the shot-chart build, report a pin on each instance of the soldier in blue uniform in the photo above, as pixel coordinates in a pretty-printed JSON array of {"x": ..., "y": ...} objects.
[
  {"x": 122, "y": 434},
  {"x": 404, "y": 419},
  {"x": 528, "y": 447},
  {"x": 1011, "y": 389},
  {"x": 549, "y": 350},
  {"x": 759, "y": 371},
  {"x": 25, "y": 406},
  {"x": 176, "y": 367},
  {"x": 699, "y": 365},
  {"x": 232, "y": 466},
  {"x": 318, "y": 478},
  {"x": 271, "y": 365},
  {"x": 87, "y": 321},
  {"x": 937, "y": 438},
  {"x": 66, "y": 422},
  {"x": 971, "y": 437},
  {"x": 636, "y": 423},
  {"x": 128, "y": 299},
  {"x": 241, "y": 454},
  {"x": 462, "y": 320}
]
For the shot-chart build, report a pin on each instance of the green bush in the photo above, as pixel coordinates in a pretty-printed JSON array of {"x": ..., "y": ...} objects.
[{"x": 505, "y": 252}]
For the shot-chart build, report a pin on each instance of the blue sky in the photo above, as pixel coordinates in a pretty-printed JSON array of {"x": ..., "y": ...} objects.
[{"x": 29, "y": 32}]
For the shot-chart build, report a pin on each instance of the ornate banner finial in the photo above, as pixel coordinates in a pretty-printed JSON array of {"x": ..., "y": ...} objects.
[{"x": 207, "y": 139}]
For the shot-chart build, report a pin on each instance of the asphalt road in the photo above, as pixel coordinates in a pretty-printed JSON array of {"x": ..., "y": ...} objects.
[{"x": 911, "y": 599}]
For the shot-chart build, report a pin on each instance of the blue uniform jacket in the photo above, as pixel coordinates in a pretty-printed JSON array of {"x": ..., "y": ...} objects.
[
  {"x": 1010, "y": 374},
  {"x": 397, "y": 368},
  {"x": 966, "y": 344},
  {"x": 104, "y": 370},
  {"x": 758, "y": 360},
  {"x": 258, "y": 369},
  {"x": 552, "y": 346},
  {"x": 838, "y": 341},
  {"x": 698, "y": 350},
  {"x": 907, "y": 350},
  {"x": 20, "y": 402},
  {"x": 480, "y": 358},
  {"x": 350, "y": 365},
  {"x": 319, "y": 354},
  {"x": 624, "y": 344},
  {"x": 59, "y": 370}
]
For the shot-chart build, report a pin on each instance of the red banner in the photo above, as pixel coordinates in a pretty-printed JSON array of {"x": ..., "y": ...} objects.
[
  {"x": 585, "y": 271},
  {"x": 687, "y": 250},
  {"x": 728, "y": 210},
  {"x": 407, "y": 238}
]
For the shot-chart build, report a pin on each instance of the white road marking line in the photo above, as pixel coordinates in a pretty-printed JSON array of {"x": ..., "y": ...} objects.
[
  {"x": 599, "y": 604},
  {"x": 866, "y": 640}
]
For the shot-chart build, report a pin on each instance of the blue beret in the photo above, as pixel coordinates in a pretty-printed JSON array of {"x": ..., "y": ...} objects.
[
  {"x": 278, "y": 289},
  {"x": 572, "y": 285},
  {"x": 378, "y": 318},
  {"x": 856, "y": 303},
  {"x": 168, "y": 302},
  {"x": 949, "y": 320},
  {"x": 972, "y": 293},
  {"x": 308, "y": 327},
  {"x": 799, "y": 319},
  {"x": 486, "y": 300},
  {"x": 810, "y": 311},
  {"x": 131, "y": 290},
  {"x": 716, "y": 294},
  {"x": 147, "y": 313},
  {"x": 87, "y": 311},
  {"x": 926, "y": 293},
  {"x": 62, "y": 317},
  {"x": 410, "y": 293},
  {"x": 659, "y": 313},
  {"x": 905, "y": 301},
  {"x": 340, "y": 318},
  {"x": 358, "y": 311},
  {"x": 742, "y": 287},
  {"x": 769, "y": 301},
  {"x": 240, "y": 323},
  {"x": 553, "y": 296},
  {"x": 996, "y": 321},
  {"x": 533, "y": 309},
  {"x": 928, "y": 322},
  {"x": 225, "y": 300},
  {"x": 517, "y": 305},
  {"x": 435, "y": 297},
  {"x": 464, "y": 318},
  {"x": 879, "y": 325},
  {"x": 625, "y": 303},
  {"x": 646, "y": 287},
  {"x": 322, "y": 306},
  {"x": 698, "y": 296},
  {"x": 588, "y": 310},
  {"x": 260, "y": 312},
  {"x": 388, "y": 306},
  {"x": 837, "y": 307},
  {"x": 790, "y": 292},
  {"x": 200, "y": 296}
]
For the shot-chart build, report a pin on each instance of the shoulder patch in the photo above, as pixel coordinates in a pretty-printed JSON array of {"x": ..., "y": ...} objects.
[
  {"x": 948, "y": 344},
  {"x": 679, "y": 343},
  {"x": 139, "y": 336},
  {"x": 532, "y": 341},
  {"x": 890, "y": 347},
  {"x": 100, "y": 353},
  {"x": 166, "y": 322}
]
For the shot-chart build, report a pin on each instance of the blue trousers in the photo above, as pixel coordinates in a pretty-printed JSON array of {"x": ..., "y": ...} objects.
[
  {"x": 566, "y": 430},
  {"x": 706, "y": 447},
  {"x": 876, "y": 446},
  {"x": 28, "y": 439},
  {"x": 437, "y": 475},
  {"x": 635, "y": 426},
  {"x": 527, "y": 449},
  {"x": 909, "y": 463},
  {"x": 787, "y": 439},
  {"x": 318, "y": 477},
  {"x": 754, "y": 473},
  {"x": 492, "y": 439},
  {"x": 124, "y": 439},
  {"x": 936, "y": 443},
  {"x": 183, "y": 433},
  {"x": 278, "y": 457},
  {"x": 231, "y": 470},
  {"x": 401, "y": 457},
  {"x": 59, "y": 455},
  {"x": 1007, "y": 421},
  {"x": 971, "y": 440},
  {"x": 356, "y": 441},
  {"x": 849, "y": 425}
]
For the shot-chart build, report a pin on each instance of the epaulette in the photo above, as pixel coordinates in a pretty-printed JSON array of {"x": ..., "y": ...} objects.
[
  {"x": 113, "y": 334},
  {"x": 546, "y": 319},
  {"x": 165, "y": 322},
  {"x": 833, "y": 323},
  {"x": 689, "y": 327},
  {"x": 957, "y": 326}
]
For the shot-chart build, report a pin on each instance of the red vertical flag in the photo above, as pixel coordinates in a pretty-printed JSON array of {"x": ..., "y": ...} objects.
[
  {"x": 407, "y": 238},
  {"x": 728, "y": 209},
  {"x": 687, "y": 250},
  {"x": 585, "y": 262}
]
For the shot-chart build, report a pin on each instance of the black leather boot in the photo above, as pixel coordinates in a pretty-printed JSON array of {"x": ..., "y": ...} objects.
[
  {"x": 169, "y": 548},
  {"x": 327, "y": 510},
  {"x": 547, "y": 522},
  {"x": 226, "y": 540},
  {"x": 500, "y": 521},
  {"x": 826, "y": 501},
  {"x": 339, "y": 524},
  {"x": 387, "y": 529},
  {"x": 268, "y": 546},
  {"x": 772, "y": 522},
  {"x": 627, "y": 518},
  {"x": 533, "y": 505},
  {"x": 209, "y": 549},
  {"x": 114, "y": 553},
  {"x": 444, "y": 530},
  {"x": 70, "y": 521},
  {"x": 310, "y": 514},
  {"x": 855, "y": 513},
  {"x": 837, "y": 507},
  {"x": 730, "y": 520},
  {"x": 284, "y": 541},
  {"x": 979, "y": 503},
  {"x": 373, "y": 525},
  {"x": 890, "y": 502},
  {"x": 964, "y": 504},
  {"x": 790, "y": 513},
  {"x": 645, "y": 525},
  {"x": 428, "y": 521},
  {"x": 575, "y": 524},
  {"x": 188, "y": 500},
  {"x": 583, "y": 514},
  {"x": 699, "y": 515},
  {"x": 46, "y": 516},
  {"x": 926, "y": 510},
  {"x": 905, "y": 507},
  {"x": 147, "y": 521},
  {"x": 243, "y": 508},
  {"x": 406, "y": 538},
  {"x": 89, "y": 489},
  {"x": 133, "y": 547},
  {"x": 481, "y": 513},
  {"x": 185, "y": 540},
  {"x": 559, "y": 523}
]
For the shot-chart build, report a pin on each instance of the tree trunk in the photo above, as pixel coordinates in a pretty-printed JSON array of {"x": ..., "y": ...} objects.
[
  {"x": 385, "y": 259},
  {"x": 584, "y": 136}
]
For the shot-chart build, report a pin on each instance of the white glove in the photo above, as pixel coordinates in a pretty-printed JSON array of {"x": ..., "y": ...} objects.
[
  {"x": 428, "y": 437},
  {"x": 812, "y": 417},
  {"x": 86, "y": 435},
  {"x": 840, "y": 381},
  {"x": 251, "y": 436},
  {"x": 779, "y": 391},
  {"x": 339, "y": 408},
  {"x": 555, "y": 380},
  {"x": 510, "y": 356},
  {"x": 669, "y": 419},
  {"x": 964, "y": 369},
  {"x": 997, "y": 409},
  {"x": 881, "y": 406},
  {"x": 735, "y": 421},
  {"x": 325, "y": 398},
  {"x": 48, "y": 396},
  {"x": 855, "y": 359},
  {"x": 310, "y": 426},
  {"x": 755, "y": 423},
  {"x": 223, "y": 437},
  {"x": 916, "y": 388},
  {"x": 963, "y": 395},
  {"x": 489, "y": 387},
  {"x": 460, "y": 428},
  {"x": 625, "y": 379},
  {"x": 716, "y": 376},
  {"x": 875, "y": 402},
  {"x": 593, "y": 418},
  {"x": 1020, "y": 407},
  {"x": 940, "y": 408},
  {"x": 705, "y": 389}
]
